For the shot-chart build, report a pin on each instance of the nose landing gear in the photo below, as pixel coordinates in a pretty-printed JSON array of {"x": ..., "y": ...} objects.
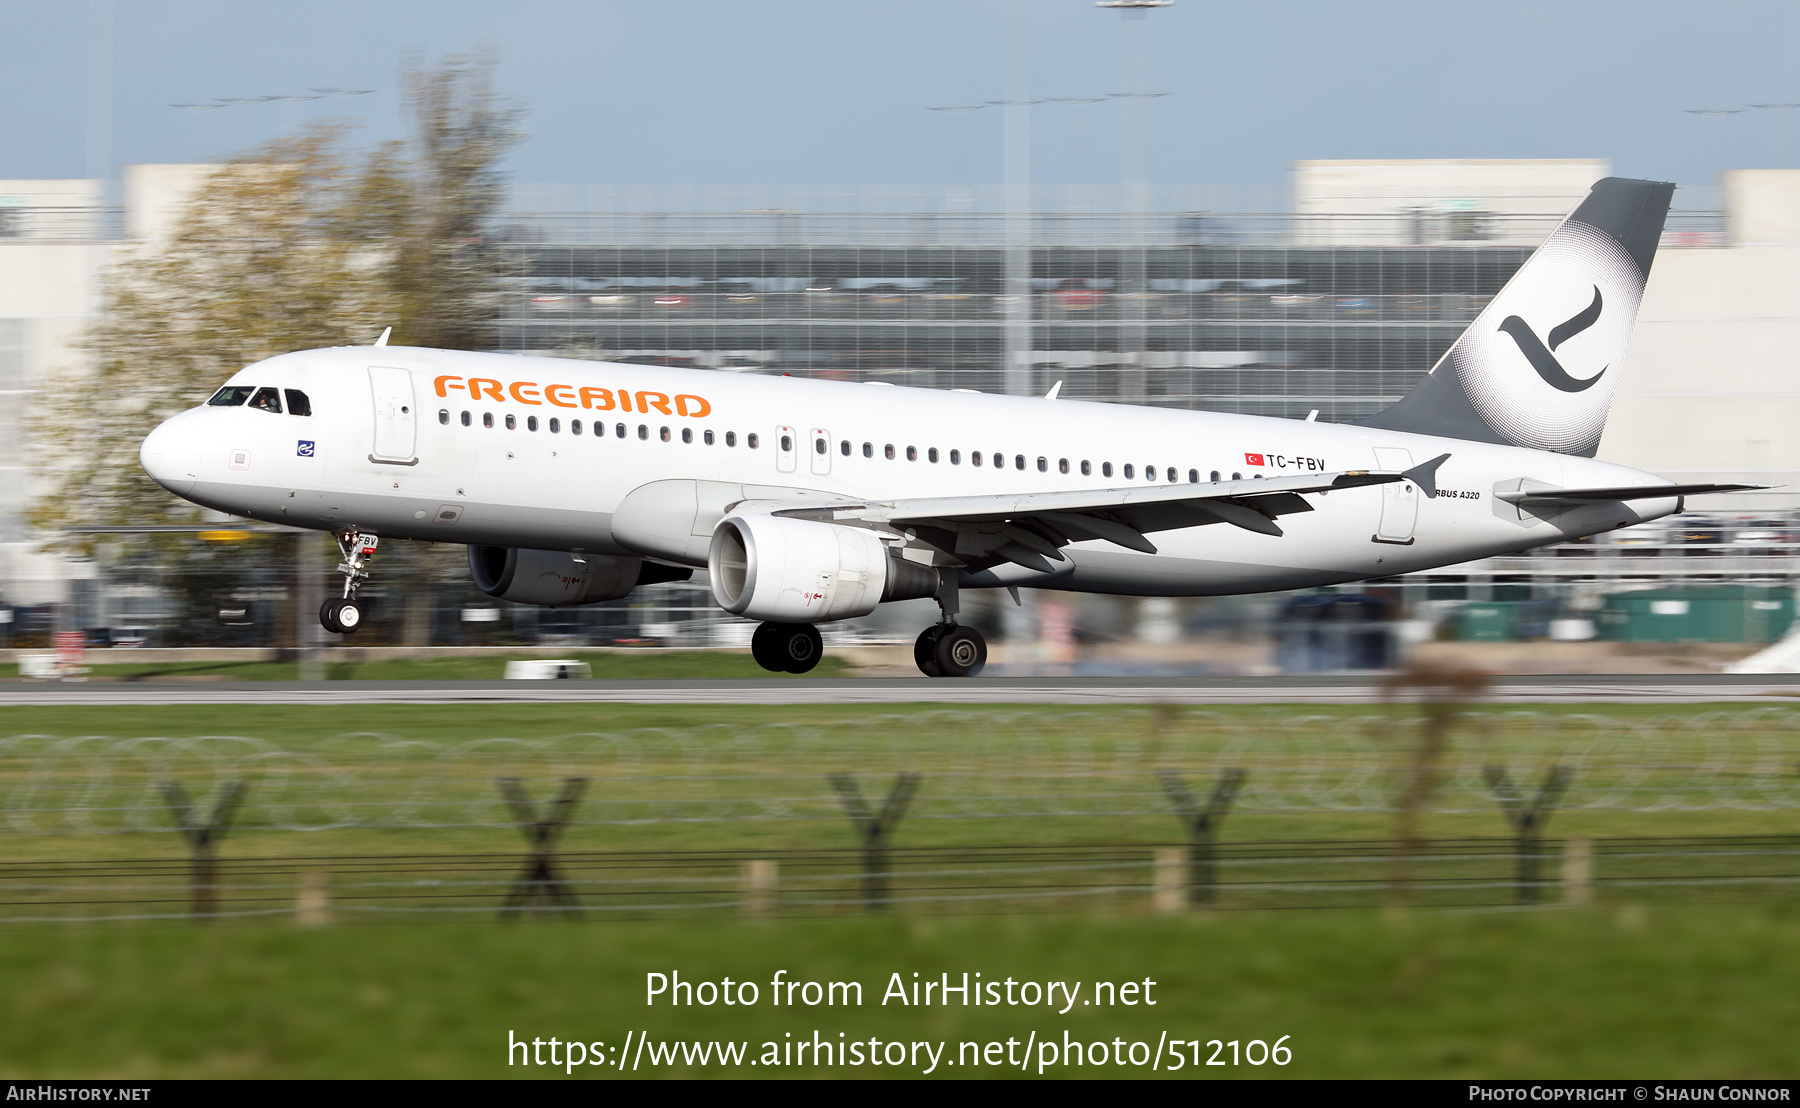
[{"x": 342, "y": 614}]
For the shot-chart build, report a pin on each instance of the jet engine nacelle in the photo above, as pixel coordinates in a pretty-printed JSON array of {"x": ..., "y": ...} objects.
[
  {"x": 554, "y": 579},
  {"x": 799, "y": 571}
]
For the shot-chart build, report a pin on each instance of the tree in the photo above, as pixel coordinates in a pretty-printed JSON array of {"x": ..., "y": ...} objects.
[{"x": 294, "y": 245}]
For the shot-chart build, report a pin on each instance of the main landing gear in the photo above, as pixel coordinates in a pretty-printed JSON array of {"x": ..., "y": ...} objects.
[
  {"x": 787, "y": 647},
  {"x": 946, "y": 648},
  {"x": 950, "y": 650},
  {"x": 343, "y": 614}
]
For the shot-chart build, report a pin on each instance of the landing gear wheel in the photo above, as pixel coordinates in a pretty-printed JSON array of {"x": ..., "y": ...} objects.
[
  {"x": 346, "y": 616},
  {"x": 925, "y": 649},
  {"x": 325, "y": 611},
  {"x": 960, "y": 652},
  {"x": 763, "y": 647},
  {"x": 799, "y": 646}
]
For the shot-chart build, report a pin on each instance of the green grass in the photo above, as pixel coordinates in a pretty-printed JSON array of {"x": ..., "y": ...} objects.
[
  {"x": 634, "y": 665},
  {"x": 1618, "y": 992},
  {"x": 759, "y": 774}
]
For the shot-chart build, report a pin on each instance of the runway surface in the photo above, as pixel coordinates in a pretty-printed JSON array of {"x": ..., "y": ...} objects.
[{"x": 1554, "y": 689}]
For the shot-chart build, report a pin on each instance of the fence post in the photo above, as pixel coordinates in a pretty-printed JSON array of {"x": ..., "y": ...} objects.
[
  {"x": 539, "y": 880},
  {"x": 874, "y": 828},
  {"x": 203, "y": 837},
  {"x": 760, "y": 879},
  {"x": 1578, "y": 871},
  {"x": 1202, "y": 825},
  {"x": 1527, "y": 819}
]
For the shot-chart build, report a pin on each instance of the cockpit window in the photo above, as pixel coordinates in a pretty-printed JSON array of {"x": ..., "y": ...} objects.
[
  {"x": 269, "y": 400},
  {"x": 298, "y": 404},
  {"x": 231, "y": 396}
]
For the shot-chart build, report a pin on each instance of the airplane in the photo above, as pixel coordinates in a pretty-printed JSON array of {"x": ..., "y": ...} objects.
[{"x": 806, "y": 501}]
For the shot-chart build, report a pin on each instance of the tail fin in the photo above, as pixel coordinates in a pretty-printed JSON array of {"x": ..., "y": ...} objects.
[{"x": 1538, "y": 366}]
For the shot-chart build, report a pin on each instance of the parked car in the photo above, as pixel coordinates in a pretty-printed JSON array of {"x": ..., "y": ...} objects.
[
  {"x": 1692, "y": 528},
  {"x": 1762, "y": 532}
]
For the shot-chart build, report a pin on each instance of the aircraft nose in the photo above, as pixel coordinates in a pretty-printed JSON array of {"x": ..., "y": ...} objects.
[{"x": 171, "y": 455}]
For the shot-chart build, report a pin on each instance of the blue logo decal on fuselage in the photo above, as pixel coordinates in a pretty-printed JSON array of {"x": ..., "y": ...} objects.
[{"x": 305, "y": 449}]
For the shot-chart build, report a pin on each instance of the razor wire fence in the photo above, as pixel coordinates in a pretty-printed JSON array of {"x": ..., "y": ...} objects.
[
  {"x": 974, "y": 765},
  {"x": 1136, "y": 878}
]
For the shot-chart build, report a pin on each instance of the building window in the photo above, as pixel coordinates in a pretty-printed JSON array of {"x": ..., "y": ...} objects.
[
  {"x": 1087, "y": 468},
  {"x": 298, "y": 404},
  {"x": 444, "y": 416}
]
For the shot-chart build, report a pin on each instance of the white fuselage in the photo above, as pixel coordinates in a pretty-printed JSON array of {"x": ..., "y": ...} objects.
[{"x": 425, "y": 473}]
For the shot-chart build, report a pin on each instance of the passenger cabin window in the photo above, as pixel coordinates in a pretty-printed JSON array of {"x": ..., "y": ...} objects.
[
  {"x": 1062, "y": 465},
  {"x": 731, "y": 438},
  {"x": 444, "y": 415},
  {"x": 888, "y": 450},
  {"x": 1044, "y": 465},
  {"x": 931, "y": 455},
  {"x": 819, "y": 446},
  {"x": 643, "y": 432},
  {"x": 531, "y": 423},
  {"x": 267, "y": 400},
  {"x": 974, "y": 457},
  {"x": 708, "y": 436},
  {"x": 619, "y": 430},
  {"x": 663, "y": 434},
  {"x": 1087, "y": 468},
  {"x": 487, "y": 420},
  {"x": 1106, "y": 469},
  {"x": 298, "y": 404},
  {"x": 868, "y": 450},
  {"x": 687, "y": 435},
  {"x": 1193, "y": 477},
  {"x": 1128, "y": 471},
  {"x": 555, "y": 426},
  {"x": 512, "y": 423},
  {"x": 574, "y": 427},
  {"x": 844, "y": 448},
  {"x": 912, "y": 453},
  {"x": 787, "y": 443},
  {"x": 751, "y": 440},
  {"x": 1215, "y": 476},
  {"x": 230, "y": 396},
  {"x": 956, "y": 457},
  {"x": 465, "y": 419}
]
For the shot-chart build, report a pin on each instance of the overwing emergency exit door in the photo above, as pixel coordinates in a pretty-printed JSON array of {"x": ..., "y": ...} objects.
[
  {"x": 396, "y": 425},
  {"x": 821, "y": 451},
  {"x": 1399, "y": 500},
  {"x": 787, "y": 451}
]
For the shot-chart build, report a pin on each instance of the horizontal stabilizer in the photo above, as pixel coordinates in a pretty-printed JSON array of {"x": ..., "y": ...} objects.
[{"x": 1625, "y": 492}]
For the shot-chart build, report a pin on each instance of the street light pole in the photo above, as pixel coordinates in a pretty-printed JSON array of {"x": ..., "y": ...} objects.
[
  {"x": 1016, "y": 301},
  {"x": 1134, "y": 162}
]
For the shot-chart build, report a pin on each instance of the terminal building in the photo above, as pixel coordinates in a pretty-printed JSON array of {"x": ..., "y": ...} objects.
[{"x": 1333, "y": 296}]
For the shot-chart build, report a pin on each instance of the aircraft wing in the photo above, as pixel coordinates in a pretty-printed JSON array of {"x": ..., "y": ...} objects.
[
  {"x": 1551, "y": 495},
  {"x": 1031, "y": 528}
]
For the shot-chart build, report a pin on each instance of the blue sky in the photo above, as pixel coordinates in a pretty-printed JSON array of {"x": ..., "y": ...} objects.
[{"x": 709, "y": 92}]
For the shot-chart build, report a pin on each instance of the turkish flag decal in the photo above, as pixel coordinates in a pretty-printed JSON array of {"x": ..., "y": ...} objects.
[{"x": 1254, "y": 460}]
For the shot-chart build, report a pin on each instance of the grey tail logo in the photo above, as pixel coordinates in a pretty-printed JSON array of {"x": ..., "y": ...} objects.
[{"x": 1542, "y": 359}]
